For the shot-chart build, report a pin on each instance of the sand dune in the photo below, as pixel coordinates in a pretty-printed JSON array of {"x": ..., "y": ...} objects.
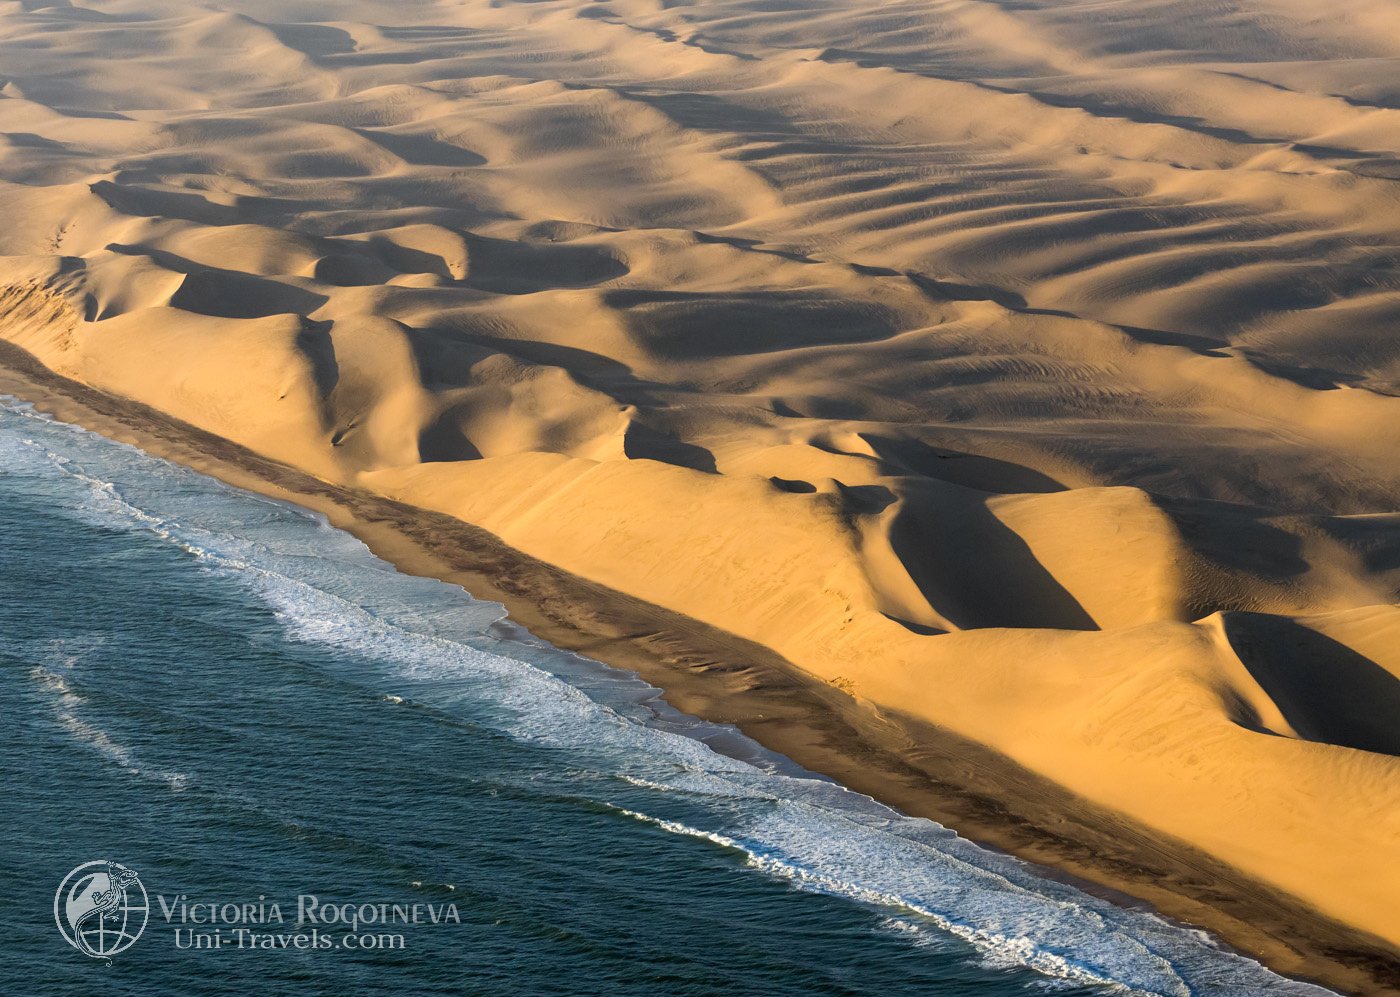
[{"x": 1030, "y": 368}]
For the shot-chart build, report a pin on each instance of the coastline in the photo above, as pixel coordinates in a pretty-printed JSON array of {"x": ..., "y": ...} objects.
[{"x": 704, "y": 671}]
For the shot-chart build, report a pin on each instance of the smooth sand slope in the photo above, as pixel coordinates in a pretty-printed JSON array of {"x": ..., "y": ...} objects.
[{"x": 1029, "y": 368}]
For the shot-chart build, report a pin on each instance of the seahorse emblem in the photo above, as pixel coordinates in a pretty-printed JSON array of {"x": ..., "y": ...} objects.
[{"x": 105, "y": 899}]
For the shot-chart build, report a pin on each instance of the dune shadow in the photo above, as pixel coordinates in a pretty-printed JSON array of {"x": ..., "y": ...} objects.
[
  {"x": 939, "y": 289},
  {"x": 444, "y": 441},
  {"x": 505, "y": 266},
  {"x": 28, "y": 140},
  {"x": 593, "y": 370},
  {"x": 144, "y": 202},
  {"x": 1375, "y": 539},
  {"x": 976, "y": 572},
  {"x": 227, "y": 293},
  {"x": 421, "y": 149},
  {"x": 314, "y": 40},
  {"x": 1314, "y": 378},
  {"x": 642, "y": 442},
  {"x": 751, "y": 246},
  {"x": 1325, "y": 690},
  {"x": 663, "y": 34},
  {"x": 1235, "y": 537},
  {"x": 865, "y": 500},
  {"x": 692, "y": 325},
  {"x": 904, "y": 456},
  {"x": 315, "y": 343},
  {"x": 708, "y": 112}
]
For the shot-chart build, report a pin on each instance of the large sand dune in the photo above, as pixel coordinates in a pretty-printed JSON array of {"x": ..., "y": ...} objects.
[{"x": 1030, "y": 368}]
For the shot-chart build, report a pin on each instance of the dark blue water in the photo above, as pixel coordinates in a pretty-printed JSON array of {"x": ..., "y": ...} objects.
[{"x": 244, "y": 706}]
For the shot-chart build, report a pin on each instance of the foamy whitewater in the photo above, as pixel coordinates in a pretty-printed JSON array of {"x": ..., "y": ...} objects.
[{"x": 238, "y": 700}]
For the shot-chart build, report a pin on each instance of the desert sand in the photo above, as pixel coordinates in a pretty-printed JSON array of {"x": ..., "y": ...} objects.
[{"x": 1028, "y": 372}]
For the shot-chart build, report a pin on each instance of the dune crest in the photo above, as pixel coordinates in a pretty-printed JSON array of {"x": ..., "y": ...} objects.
[{"x": 1030, "y": 369}]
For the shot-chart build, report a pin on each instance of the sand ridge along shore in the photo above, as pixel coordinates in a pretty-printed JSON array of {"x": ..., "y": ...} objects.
[{"x": 1030, "y": 370}]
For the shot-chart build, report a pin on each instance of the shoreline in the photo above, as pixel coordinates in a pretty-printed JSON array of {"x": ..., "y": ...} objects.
[{"x": 703, "y": 671}]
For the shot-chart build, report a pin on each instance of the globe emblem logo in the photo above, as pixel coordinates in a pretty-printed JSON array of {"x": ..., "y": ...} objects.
[{"x": 101, "y": 909}]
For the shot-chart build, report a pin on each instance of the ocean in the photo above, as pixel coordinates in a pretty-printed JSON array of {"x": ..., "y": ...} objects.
[{"x": 329, "y": 777}]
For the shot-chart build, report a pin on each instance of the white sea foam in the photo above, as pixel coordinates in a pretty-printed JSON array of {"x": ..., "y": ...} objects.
[
  {"x": 432, "y": 644},
  {"x": 68, "y": 707},
  {"x": 997, "y": 947}
]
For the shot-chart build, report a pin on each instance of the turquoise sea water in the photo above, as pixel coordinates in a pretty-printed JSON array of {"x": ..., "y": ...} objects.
[{"x": 244, "y": 706}]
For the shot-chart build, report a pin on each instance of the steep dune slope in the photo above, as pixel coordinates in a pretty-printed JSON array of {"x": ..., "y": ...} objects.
[{"x": 1031, "y": 368}]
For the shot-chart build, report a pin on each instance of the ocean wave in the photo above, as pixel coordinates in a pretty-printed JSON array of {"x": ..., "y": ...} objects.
[
  {"x": 998, "y": 948},
  {"x": 67, "y": 706}
]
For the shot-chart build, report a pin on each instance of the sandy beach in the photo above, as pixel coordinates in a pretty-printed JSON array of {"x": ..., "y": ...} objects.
[{"x": 991, "y": 406}]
